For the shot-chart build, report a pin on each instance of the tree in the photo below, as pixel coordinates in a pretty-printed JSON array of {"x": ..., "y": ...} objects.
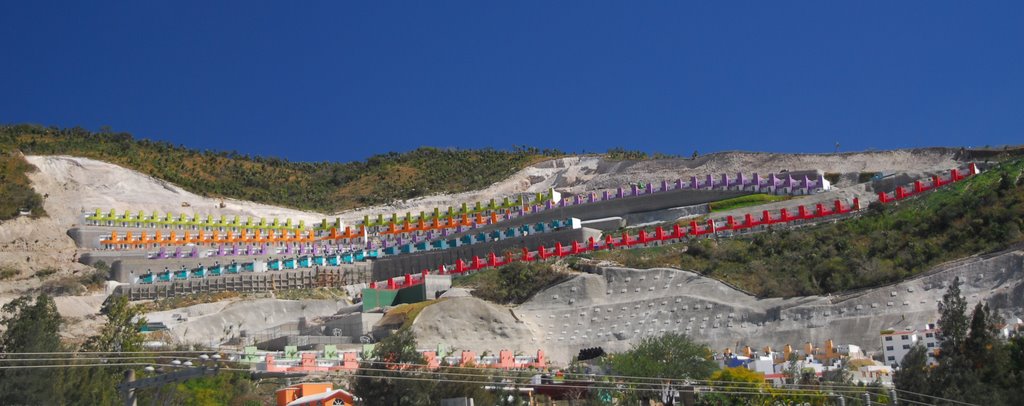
[
  {"x": 974, "y": 365},
  {"x": 987, "y": 358},
  {"x": 468, "y": 382},
  {"x": 123, "y": 330},
  {"x": 30, "y": 328},
  {"x": 792, "y": 370},
  {"x": 671, "y": 357},
  {"x": 738, "y": 379},
  {"x": 952, "y": 320},
  {"x": 121, "y": 333},
  {"x": 913, "y": 374},
  {"x": 392, "y": 376}
]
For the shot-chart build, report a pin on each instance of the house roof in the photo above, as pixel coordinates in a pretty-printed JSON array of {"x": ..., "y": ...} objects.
[{"x": 311, "y": 399}]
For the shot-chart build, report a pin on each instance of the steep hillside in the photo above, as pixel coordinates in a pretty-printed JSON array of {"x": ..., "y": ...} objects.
[
  {"x": 614, "y": 308},
  {"x": 319, "y": 186},
  {"x": 74, "y": 184},
  {"x": 15, "y": 188},
  {"x": 890, "y": 243}
]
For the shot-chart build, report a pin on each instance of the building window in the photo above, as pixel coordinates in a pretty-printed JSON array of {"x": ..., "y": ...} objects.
[
  {"x": 888, "y": 338},
  {"x": 904, "y": 337},
  {"x": 930, "y": 335},
  {"x": 892, "y": 358},
  {"x": 888, "y": 348},
  {"x": 930, "y": 345},
  {"x": 906, "y": 346}
]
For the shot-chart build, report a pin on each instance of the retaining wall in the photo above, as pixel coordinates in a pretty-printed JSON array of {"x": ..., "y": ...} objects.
[
  {"x": 396, "y": 266},
  {"x": 246, "y": 282}
]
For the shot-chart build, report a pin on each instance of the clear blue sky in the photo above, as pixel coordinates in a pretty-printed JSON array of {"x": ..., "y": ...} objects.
[{"x": 342, "y": 80}]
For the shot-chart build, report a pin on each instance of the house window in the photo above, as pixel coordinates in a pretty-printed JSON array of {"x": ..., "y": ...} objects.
[
  {"x": 888, "y": 338},
  {"x": 906, "y": 346},
  {"x": 930, "y": 335},
  {"x": 892, "y": 358},
  {"x": 930, "y": 345},
  {"x": 904, "y": 337},
  {"x": 889, "y": 348}
]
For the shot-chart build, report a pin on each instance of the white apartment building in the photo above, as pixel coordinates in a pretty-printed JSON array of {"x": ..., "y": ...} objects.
[{"x": 896, "y": 344}]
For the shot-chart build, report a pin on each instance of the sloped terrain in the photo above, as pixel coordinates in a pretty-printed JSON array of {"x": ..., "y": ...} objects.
[
  {"x": 616, "y": 307},
  {"x": 73, "y": 185}
]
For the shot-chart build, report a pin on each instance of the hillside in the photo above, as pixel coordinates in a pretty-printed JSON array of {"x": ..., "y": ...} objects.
[
  {"x": 615, "y": 307},
  {"x": 319, "y": 186},
  {"x": 888, "y": 244},
  {"x": 16, "y": 189},
  {"x": 331, "y": 187}
]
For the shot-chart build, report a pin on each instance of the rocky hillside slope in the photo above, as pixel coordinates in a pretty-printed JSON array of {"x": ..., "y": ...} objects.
[
  {"x": 72, "y": 185},
  {"x": 616, "y": 307}
]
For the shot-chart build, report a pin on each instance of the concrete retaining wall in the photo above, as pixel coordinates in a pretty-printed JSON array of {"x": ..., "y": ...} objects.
[
  {"x": 247, "y": 282},
  {"x": 396, "y": 266},
  {"x": 621, "y": 207}
]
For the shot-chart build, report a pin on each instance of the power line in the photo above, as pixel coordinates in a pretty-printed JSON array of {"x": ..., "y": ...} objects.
[
  {"x": 655, "y": 383},
  {"x": 74, "y": 365},
  {"x": 492, "y": 373},
  {"x": 934, "y": 397},
  {"x": 11, "y": 360},
  {"x": 643, "y": 387},
  {"x": 108, "y": 352},
  {"x": 641, "y": 378}
]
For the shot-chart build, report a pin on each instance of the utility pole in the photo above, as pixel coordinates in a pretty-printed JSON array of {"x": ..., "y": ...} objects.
[{"x": 129, "y": 390}]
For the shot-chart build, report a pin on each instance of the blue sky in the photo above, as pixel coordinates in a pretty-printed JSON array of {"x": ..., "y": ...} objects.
[{"x": 337, "y": 80}]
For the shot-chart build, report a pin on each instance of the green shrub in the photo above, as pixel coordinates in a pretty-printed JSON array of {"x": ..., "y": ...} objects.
[
  {"x": 8, "y": 273},
  {"x": 514, "y": 283},
  {"x": 65, "y": 286},
  {"x": 746, "y": 201},
  {"x": 16, "y": 189},
  {"x": 622, "y": 154},
  {"x": 866, "y": 176},
  {"x": 311, "y": 293}
]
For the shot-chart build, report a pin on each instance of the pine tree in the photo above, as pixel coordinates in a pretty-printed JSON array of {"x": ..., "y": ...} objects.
[
  {"x": 913, "y": 375},
  {"x": 30, "y": 328},
  {"x": 952, "y": 320}
]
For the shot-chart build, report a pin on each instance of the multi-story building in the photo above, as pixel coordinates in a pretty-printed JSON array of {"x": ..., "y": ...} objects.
[{"x": 896, "y": 344}]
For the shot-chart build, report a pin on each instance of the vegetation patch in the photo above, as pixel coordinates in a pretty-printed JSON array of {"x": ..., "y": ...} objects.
[
  {"x": 866, "y": 176},
  {"x": 321, "y": 186},
  {"x": 514, "y": 283},
  {"x": 8, "y": 273},
  {"x": 406, "y": 313},
  {"x": 311, "y": 294},
  {"x": 72, "y": 285},
  {"x": 663, "y": 256},
  {"x": 177, "y": 302},
  {"x": 746, "y": 201},
  {"x": 889, "y": 243},
  {"x": 18, "y": 196}
]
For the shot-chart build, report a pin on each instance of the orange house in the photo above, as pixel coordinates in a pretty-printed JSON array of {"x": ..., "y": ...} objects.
[{"x": 312, "y": 394}]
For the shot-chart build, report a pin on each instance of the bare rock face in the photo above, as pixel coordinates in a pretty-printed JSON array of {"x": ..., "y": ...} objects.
[
  {"x": 468, "y": 323},
  {"x": 616, "y": 307}
]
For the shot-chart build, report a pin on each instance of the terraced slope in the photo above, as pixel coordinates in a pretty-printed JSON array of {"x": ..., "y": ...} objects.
[{"x": 890, "y": 243}]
